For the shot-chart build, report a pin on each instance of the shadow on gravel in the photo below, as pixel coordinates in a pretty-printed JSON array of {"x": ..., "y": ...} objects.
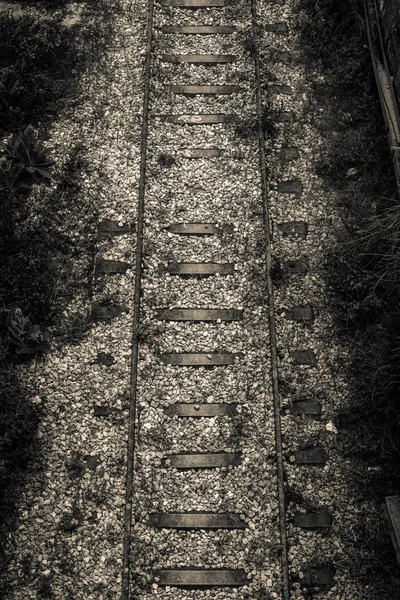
[
  {"x": 363, "y": 270},
  {"x": 43, "y": 51}
]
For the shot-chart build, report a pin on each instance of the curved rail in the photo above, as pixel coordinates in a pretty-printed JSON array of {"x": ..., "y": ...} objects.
[{"x": 271, "y": 315}]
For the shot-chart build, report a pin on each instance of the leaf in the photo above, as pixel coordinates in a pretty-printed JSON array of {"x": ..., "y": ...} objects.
[{"x": 44, "y": 173}]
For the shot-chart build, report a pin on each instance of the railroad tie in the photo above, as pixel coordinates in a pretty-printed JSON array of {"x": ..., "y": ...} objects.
[
  {"x": 200, "y": 269},
  {"x": 193, "y": 228},
  {"x": 297, "y": 266},
  {"x": 313, "y": 455},
  {"x": 108, "y": 267},
  {"x": 293, "y": 186},
  {"x": 300, "y": 314},
  {"x": 200, "y": 152},
  {"x": 199, "y": 59},
  {"x": 108, "y": 229},
  {"x": 318, "y": 576},
  {"x": 194, "y": 3},
  {"x": 196, "y": 520},
  {"x": 199, "y": 229},
  {"x": 303, "y": 357},
  {"x": 294, "y": 229},
  {"x": 200, "y": 119},
  {"x": 199, "y": 314},
  {"x": 195, "y": 189},
  {"x": 307, "y": 407},
  {"x": 282, "y": 56},
  {"x": 202, "y": 90},
  {"x": 281, "y": 28},
  {"x": 200, "y": 359},
  {"x": 284, "y": 116},
  {"x": 200, "y": 578},
  {"x": 289, "y": 153},
  {"x": 201, "y": 460},
  {"x": 392, "y": 514},
  {"x": 275, "y": 88},
  {"x": 104, "y": 312},
  {"x": 320, "y": 519},
  {"x": 104, "y": 359},
  {"x": 199, "y": 29},
  {"x": 101, "y": 411},
  {"x": 201, "y": 410}
]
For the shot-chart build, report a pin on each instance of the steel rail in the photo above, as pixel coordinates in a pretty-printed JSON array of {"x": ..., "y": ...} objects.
[
  {"x": 271, "y": 315},
  {"x": 136, "y": 314},
  {"x": 387, "y": 97}
]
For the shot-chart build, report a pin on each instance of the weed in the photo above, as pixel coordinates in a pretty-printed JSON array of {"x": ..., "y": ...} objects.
[
  {"x": 45, "y": 590},
  {"x": 238, "y": 430},
  {"x": 249, "y": 46},
  {"x": 246, "y": 128},
  {"x": 66, "y": 566},
  {"x": 37, "y": 59},
  {"x": 26, "y": 566},
  {"x": 98, "y": 497},
  {"x": 24, "y": 161},
  {"x": 268, "y": 119},
  {"x": 166, "y": 160},
  {"x": 293, "y": 496},
  {"x": 10, "y": 178},
  {"x": 71, "y": 520},
  {"x": 75, "y": 466},
  {"x": 20, "y": 335}
]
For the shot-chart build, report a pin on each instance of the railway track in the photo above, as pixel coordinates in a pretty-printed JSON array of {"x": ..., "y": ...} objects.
[
  {"x": 245, "y": 476},
  {"x": 205, "y": 503}
]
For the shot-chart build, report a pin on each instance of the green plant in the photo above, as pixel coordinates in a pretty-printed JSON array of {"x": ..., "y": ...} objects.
[
  {"x": 24, "y": 161},
  {"x": 21, "y": 338}
]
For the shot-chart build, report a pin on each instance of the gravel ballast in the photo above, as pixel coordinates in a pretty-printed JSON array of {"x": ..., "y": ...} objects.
[{"x": 67, "y": 540}]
